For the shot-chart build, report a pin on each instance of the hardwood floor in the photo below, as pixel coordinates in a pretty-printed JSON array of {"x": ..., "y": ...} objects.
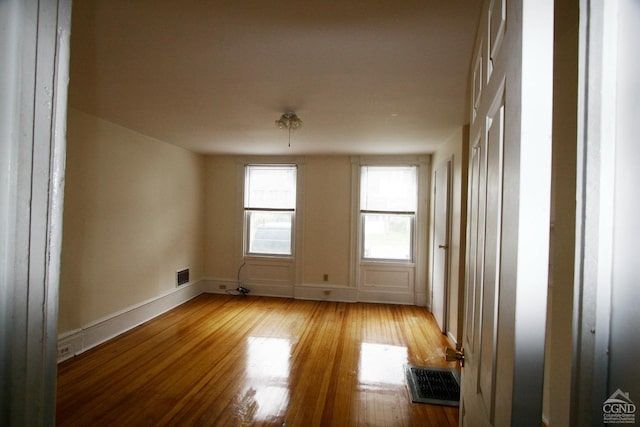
[{"x": 220, "y": 360}]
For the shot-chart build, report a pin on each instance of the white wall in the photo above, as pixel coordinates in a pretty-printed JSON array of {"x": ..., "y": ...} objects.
[
  {"x": 326, "y": 216},
  {"x": 326, "y": 245},
  {"x": 220, "y": 220},
  {"x": 327, "y": 209},
  {"x": 134, "y": 214},
  {"x": 138, "y": 209}
]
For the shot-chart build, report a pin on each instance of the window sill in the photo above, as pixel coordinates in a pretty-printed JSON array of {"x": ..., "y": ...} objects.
[
  {"x": 283, "y": 258},
  {"x": 378, "y": 262}
]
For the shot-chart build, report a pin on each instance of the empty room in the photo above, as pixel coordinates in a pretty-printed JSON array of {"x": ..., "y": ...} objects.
[
  {"x": 285, "y": 151},
  {"x": 326, "y": 213}
]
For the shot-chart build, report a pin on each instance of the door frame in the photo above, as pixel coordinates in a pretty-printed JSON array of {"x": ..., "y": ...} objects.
[
  {"x": 595, "y": 190},
  {"x": 35, "y": 39}
]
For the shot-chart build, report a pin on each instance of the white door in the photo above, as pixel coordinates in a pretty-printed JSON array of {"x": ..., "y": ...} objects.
[
  {"x": 440, "y": 278},
  {"x": 508, "y": 215}
]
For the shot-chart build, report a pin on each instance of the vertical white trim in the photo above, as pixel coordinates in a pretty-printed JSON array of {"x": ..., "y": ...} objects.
[
  {"x": 10, "y": 71},
  {"x": 531, "y": 167},
  {"x": 39, "y": 55},
  {"x": 594, "y": 217},
  {"x": 354, "y": 265},
  {"x": 606, "y": 156},
  {"x": 240, "y": 222},
  {"x": 299, "y": 237},
  {"x": 56, "y": 195}
]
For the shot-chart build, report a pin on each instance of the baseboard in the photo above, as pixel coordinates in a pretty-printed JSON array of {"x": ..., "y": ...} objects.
[
  {"x": 221, "y": 286},
  {"x": 545, "y": 421},
  {"x": 212, "y": 285},
  {"x": 453, "y": 339},
  {"x": 386, "y": 297},
  {"x": 319, "y": 292},
  {"x": 78, "y": 341},
  {"x": 309, "y": 291},
  {"x": 421, "y": 300}
]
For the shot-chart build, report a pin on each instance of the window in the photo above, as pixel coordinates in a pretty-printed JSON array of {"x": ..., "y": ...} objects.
[
  {"x": 269, "y": 209},
  {"x": 388, "y": 196}
]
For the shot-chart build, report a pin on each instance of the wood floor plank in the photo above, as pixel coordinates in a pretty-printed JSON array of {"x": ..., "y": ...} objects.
[{"x": 221, "y": 360}]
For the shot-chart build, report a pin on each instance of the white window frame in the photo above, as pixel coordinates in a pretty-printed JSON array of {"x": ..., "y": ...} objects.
[
  {"x": 268, "y": 272},
  {"x": 247, "y": 211},
  {"x": 412, "y": 214},
  {"x": 247, "y": 234},
  {"x": 417, "y": 267}
]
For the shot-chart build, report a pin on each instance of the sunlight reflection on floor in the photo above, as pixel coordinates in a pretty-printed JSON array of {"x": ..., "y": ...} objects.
[
  {"x": 381, "y": 364},
  {"x": 267, "y": 395}
]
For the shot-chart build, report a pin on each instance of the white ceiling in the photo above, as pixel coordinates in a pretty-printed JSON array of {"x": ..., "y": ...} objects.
[{"x": 365, "y": 76}]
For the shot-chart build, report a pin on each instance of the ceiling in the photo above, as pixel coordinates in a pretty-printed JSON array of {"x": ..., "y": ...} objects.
[{"x": 365, "y": 76}]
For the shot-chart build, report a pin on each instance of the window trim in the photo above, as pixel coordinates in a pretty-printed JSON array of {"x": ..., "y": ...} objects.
[
  {"x": 419, "y": 265},
  {"x": 412, "y": 238},
  {"x": 413, "y": 214},
  {"x": 269, "y": 274},
  {"x": 246, "y": 253},
  {"x": 247, "y": 234}
]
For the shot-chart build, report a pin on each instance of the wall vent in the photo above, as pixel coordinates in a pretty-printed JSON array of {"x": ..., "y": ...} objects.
[{"x": 182, "y": 276}]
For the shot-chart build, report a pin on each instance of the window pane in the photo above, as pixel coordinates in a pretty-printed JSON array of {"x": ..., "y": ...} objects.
[
  {"x": 388, "y": 188},
  {"x": 387, "y": 236},
  {"x": 272, "y": 187},
  {"x": 269, "y": 233}
]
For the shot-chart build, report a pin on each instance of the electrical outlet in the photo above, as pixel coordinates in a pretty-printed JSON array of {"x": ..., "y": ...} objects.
[
  {"x": 63, "y": 351},
  {"x": 222, "y": 287},
  {"x": 325, "y": 277}
]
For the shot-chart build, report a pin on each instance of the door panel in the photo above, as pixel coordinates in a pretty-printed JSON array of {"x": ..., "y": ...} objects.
[
  {"x": 491, "y": 285},
  {"x": 470, "y": 403},
  {"x": 471, "y": 263}
]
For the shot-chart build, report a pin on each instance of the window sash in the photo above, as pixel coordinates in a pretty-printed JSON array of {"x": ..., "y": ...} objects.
[
  {"x": 270, "y": 187},
  {"x": 269, "y": 209},
  {"x": 388, "y": 188},
  {"x": 271, "y": 235},
  {"x": 399, "y": 246},
  {"x": 388, "y": 206}
]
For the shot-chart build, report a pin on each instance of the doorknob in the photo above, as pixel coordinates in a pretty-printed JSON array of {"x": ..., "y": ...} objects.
[
  {"x": 443, "y": 246},
  {"x": 453, "y": 355}
]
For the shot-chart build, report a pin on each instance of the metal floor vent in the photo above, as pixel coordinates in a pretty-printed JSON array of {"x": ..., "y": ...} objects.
[
  {"x": 182, "y": 276},
  {"x": 438, "y": 386}
]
